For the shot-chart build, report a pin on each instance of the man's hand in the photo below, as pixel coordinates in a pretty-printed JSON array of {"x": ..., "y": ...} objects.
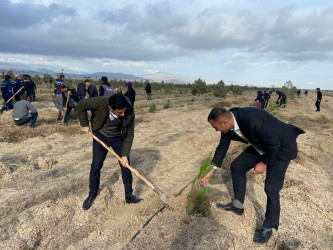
[
  {"x": 206, "y": 179},
  {"x": 259, "y": 168},
  {"x": 65, "y": 109},
  {"x": 124, "y": 161},
  {"x": 85, "y": 130},
  {"x": 69, "y": 92},
  {"x": 62, "y": 113}
]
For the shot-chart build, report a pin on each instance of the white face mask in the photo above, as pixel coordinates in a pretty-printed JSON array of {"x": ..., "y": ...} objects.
[{"x": 112, "y": 116}]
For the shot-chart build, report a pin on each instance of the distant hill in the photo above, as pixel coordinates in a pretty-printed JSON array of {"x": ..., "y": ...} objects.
[
  {"x": 24, "y": 69},
  {"x": 168, "y": 77},
  {"x": 156, "y": 77}
]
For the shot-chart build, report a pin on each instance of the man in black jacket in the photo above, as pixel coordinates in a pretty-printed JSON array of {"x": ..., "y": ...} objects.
[
  {"x": 273, "y": 146},
  {"x": 148, "y": 91},
  {"x": 66, "y": 106},
  {"x": 282, "y": 97},
  {"x": 130, "y": 93},
  {"x": 91, "y": 89},
  {"x": 112, "y": 123},
  {"x": 319, "y": 97},
  {"x": 81, "y": 90}
]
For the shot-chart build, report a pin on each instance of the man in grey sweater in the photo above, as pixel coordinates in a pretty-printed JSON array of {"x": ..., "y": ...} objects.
[{"x": 21, "y": 114}]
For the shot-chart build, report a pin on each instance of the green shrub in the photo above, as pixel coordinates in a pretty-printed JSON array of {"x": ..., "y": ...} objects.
[
  {"x": 152, "y": 108},
  {"x": 191, "y": 102},
  {"x": 198, "y": 198},
  {"x": 167, "y": 105}
]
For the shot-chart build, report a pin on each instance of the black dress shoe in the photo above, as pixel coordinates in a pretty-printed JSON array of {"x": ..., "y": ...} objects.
[
  {"x": 230, "y": 207},
  {"x": 132, "y": 199},
  {"x": 88, "y": 202},
  {"x": 263, "y": 235}
]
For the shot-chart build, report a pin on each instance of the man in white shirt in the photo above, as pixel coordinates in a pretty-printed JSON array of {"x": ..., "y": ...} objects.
[{"x": 273, "y": 145}]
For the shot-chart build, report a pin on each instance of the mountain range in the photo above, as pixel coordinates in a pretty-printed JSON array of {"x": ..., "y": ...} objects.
[{"x": 40, "y": 70}]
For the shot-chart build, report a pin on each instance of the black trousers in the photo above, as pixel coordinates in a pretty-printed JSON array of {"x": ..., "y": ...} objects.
[
  {"x": 318, "y": 105},
  {"x": 68, "y": 113},
  {"x": 273, "y": 183},
  {"x": 99, "y": 154}
]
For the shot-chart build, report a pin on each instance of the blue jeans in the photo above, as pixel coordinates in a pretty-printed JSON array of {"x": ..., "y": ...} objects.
[
  {"x": 99, "y": 154},
  {"x": 32, "y": 119}
]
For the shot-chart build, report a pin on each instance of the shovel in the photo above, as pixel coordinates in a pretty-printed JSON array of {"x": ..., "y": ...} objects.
[
  {"x": 155, "y": 189},
  {"x": 4, "y": 105}
]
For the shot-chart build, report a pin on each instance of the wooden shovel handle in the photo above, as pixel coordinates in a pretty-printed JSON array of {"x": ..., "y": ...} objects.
[
  {"x": 14, "y": 95},
  {"x": 127, "y": 165}
]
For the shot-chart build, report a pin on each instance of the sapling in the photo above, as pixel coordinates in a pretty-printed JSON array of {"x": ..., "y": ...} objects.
[{"x": 198, "y": 198}]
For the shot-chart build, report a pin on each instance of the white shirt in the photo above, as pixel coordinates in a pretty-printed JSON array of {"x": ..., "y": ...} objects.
[
  {"x": 112, "y": 116},
  {"x": 237, "y": 130}
]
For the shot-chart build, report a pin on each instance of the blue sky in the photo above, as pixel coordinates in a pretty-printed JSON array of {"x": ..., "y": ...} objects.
[{"x": 258, "y": 42}]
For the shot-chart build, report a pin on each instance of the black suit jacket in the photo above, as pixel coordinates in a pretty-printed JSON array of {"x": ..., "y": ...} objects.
[{"x": 276, "y": 138}]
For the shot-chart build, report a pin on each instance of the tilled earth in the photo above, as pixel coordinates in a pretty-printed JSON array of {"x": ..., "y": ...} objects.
[{"x": 45, "y": 172}]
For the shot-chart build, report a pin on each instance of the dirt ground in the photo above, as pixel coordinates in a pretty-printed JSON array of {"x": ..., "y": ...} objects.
[{"x": 44, "y": 174}]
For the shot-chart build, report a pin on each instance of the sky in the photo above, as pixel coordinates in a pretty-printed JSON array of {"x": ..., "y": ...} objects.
[{"x": 257, "y": 42}]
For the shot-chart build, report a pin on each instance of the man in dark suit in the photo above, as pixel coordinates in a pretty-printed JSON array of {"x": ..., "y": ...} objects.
[
  {"x": 273, "y": 145},
  {"x": 318, "y": 101}
]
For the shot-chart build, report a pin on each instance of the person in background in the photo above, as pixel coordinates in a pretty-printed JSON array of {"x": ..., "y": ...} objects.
[
  {"x": 267, "y": 96},
  {"x": 34, "y": 89},
  {"x": 81, "y": 90},
  {"x": 260, "y": 98},
  {"x": 57, "y": 84},
  {"x": 62, "y": 102},
  {"x": 17, "y": 84},
  {"x": 105, "y": 89},
  {"x": 298, "y": 93},
  {"x": 29, "y": 86},
  {"x": 282, "y": 97},
  {"x": 91, "y": 89},
  {"x": 120, "y": 90},
  {"x": 130, "y": 93},
  {"x": 71, "y": 93},
  {"x": 21, "y": 114},
  {"x": 148, "y": 91},
  {"x": 306, "y": 93},
  {"x": 7, "y": 92},
  {"x": 319, "y": 97}
]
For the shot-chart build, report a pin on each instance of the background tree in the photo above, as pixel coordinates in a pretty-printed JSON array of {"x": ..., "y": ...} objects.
[
  {"x": 199, "y": 87},
  {"x": 288, "y": 84},
  {"x": 10, "y": 72},
  {"x": 237, "y": 90},
  {"x": 219, "y": 90}
]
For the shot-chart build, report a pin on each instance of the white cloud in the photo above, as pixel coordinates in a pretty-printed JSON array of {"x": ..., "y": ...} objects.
[{"x": 124, "y": 63}]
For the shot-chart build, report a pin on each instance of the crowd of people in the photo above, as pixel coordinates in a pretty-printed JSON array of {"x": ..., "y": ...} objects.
[
  {"x": 112, "y": 122},
  {"x": 264, "y": 97}
]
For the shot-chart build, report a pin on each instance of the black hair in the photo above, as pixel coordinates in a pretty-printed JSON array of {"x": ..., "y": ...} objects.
[
  {"x": 7, "y": 77},
  {"x": 217, "y": 113},
  {"x": 62, "y": 76},
  {"x": 104, "y": 79},
  {"x": 62, "y": 86},
  {"x": 117, "y": 101},
  {"x": 87, "y": 80}
]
